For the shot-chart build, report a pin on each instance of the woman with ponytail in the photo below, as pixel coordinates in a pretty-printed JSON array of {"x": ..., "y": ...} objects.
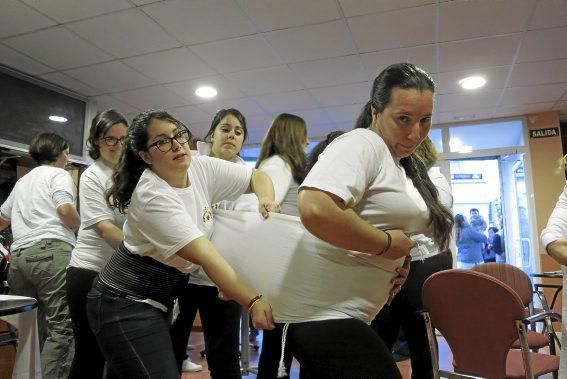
[
  {"x": 168, "y": 195},
  {"x": 368, "y": 193}
]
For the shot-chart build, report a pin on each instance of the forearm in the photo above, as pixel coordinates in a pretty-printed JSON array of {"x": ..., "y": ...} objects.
[
  {"x": 109, "y": 232},
  {"x": 558, "y": 251},
  {"x": 202, "y": 252},
  {"x": 4, "y": 224},
  {"x": 261, "y": 185},
  {"x": 338, "y": 226},
  {"x": 69, "y": 216}
]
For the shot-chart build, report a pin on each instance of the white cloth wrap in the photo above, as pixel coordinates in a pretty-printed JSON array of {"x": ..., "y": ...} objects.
[{"x": 302, "y": 277}]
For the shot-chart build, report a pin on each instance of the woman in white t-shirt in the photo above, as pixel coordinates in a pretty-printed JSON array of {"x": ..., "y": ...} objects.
[
  {"x": 282, "y": 157},
  {"x": 366, "y": 193},
  {"x": 43, "y": 217},
  {"x": 220, "y": 319},
  {"x": 100, "y": 234},
  {"x": 168, "y": 195}
]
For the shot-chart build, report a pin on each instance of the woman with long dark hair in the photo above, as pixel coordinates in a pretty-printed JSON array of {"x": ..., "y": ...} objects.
[
  {"x": 168, "y": 195},
  {"x": 367, "y": 193},
  {"x": 99, "y": 235}
]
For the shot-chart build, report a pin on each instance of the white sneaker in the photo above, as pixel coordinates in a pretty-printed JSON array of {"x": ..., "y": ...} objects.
[{"x": 189, "y": 366}]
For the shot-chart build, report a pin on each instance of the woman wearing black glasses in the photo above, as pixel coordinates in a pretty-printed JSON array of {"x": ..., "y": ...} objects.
[
  {"x": 168, "y": 195},
  {"x": 100, "y": 234}
]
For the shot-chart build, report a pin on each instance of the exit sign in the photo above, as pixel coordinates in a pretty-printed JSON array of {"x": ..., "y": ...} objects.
[{"x": 543, "y": 133}]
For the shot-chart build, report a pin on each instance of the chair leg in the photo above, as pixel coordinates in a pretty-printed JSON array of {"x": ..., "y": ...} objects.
[{"x": 432, "y": 345}]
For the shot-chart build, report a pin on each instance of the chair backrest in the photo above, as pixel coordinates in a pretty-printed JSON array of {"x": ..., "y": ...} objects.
[
  {"x": 518, "y": 280},
  {"x": 475, "y": 313}
]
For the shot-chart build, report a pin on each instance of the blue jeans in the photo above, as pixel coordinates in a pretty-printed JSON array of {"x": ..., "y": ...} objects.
[{"x": 133, "y": 337}]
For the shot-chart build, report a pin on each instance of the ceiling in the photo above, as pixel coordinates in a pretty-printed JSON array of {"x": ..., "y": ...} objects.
[{"x": 314, "y": 58}]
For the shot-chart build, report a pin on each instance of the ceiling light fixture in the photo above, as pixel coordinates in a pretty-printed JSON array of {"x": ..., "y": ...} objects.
[
  {"x": 58, "y": 118},
  {"x": 206, "y": 92},
  {"x": 472, "y": 82}
]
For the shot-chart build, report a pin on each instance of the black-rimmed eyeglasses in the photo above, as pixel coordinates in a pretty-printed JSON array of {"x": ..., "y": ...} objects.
[
  {"x": 165, "y": 144},
  {"x": 113, "y": 141}
]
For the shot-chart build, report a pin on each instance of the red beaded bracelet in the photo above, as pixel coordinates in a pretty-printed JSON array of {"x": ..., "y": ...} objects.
[{"x": 253, "y": 301}]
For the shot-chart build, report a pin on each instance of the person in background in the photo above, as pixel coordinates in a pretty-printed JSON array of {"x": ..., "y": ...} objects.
[
  {"x": 495, "y": 244},
  {"x": 168, "y": 195},
  {"x": 100, "y": 234},
  {"x": 220, "y": 319},
  {"x": 43, "y": 217},
  {"x": 477, "y": 221},
  {"x": 470, "y": 243},
  {"x": 282, "y": 157},
  {"x": 427, "y": 258}
]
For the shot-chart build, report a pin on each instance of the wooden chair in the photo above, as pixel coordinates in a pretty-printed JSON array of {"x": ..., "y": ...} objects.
[{"x": 480, "y": 317}]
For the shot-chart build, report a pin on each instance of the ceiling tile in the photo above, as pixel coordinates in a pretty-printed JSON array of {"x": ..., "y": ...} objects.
[
  {"x": 246, "y": 106},
  {"x": 359, "y": 7},
  {"x": 151, "y": 97},
  {"x": 105, "y": 102},
  {"x": 422, "y": 56},
  {"x": 342, "y": 95},
  {"x": 190, "y": 114},
  {"x": 447, "y": 82},
  {"x": 186, "y": 89},
  {"x": 522, "y": 109},
  {"x": 266, "y": 80},
  {"x": 70, "y": 84},
  {"x": 326, "y": 40},
  {"x": 318, "y": 132},
  {"x": 392, "y": 30},
  {"x": 59, "y": 48},
  {"x": 329, "y": 72},
  {"x": 466, "y": 101},
  {"x": 276, "y": 14},
  {"x": 237, "y": 54},
  {"x": 562, "y": 108},
  {"x": 171, "y": 65},
  {"x": 481, "y": 18},
  {"x": 14, "y": 59},
  {"x": 533, "y": 94},
  {"x": 548, "y": 14},
  {"x": 543, "y": 45},
  {"x": 478, "y": 53},
  {"x": 525, "y": 74},
  {"x": 462, "y": 116},
  {"x": 125, "y": 33},
  {"x": 282, "y": 102},
  {"x": 345, "y": 113},
  {"x": 257, "y": 128},
  {"x": 193, "y": 22},
  {"x": 17, "y": 18},
  {"x": 312, "y": 117},
  {"x": 71, "y": 10},
  {"x": 110, "y": 77}
]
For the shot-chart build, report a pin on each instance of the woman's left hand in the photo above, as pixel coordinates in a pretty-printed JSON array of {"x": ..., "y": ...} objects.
[
  {"x": 399, "y": 280},
  {"x": 268, "y": 205}
]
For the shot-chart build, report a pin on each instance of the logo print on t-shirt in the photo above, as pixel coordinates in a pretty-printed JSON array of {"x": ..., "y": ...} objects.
[{"x": 207, "y": 214}]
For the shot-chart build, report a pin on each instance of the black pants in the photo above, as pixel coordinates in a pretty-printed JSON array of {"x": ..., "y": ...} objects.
[
  {"x": 221, "y": 327},
  {"x": 332, "y": 349},
  {"x": 88, "y": 361},
  {"x": 404, "y": 313}
]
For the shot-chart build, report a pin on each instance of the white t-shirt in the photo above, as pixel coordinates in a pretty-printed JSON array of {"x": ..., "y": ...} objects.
[
  {"x": 31, "y": 210},
  {"x": 426, "y": 246},
  {"x": 162, "y": 219},
  {"x": 358, "y": 168},
  {"x": 92, "y": 251},
  {"x": 285, "y": 186},
  {"x": 246, "y": 202}
]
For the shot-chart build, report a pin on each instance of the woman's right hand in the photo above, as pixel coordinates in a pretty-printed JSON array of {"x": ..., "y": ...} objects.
[
  {"x": 261, "y": 314},
  {"x": 401, "y": 245}
]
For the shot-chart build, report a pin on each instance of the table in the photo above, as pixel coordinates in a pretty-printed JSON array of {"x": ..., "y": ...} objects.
[
  {"x": 21, "y": 313},
  {"x": 549, "y": 275}
]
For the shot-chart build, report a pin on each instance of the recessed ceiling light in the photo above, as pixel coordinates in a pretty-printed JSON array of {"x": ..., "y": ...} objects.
[
  {"x": 58, "y": 118},
  {"x": 472, "y": 82},
  {"x": 206, "y": 92}
]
